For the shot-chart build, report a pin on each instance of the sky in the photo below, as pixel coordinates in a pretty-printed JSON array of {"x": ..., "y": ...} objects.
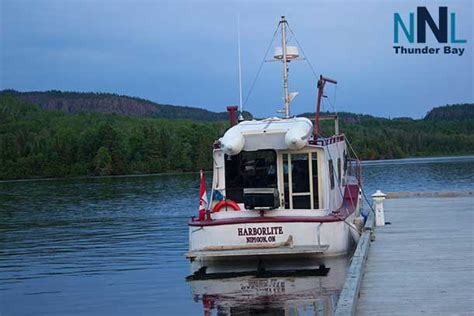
[{"x": 185, "y": 53}]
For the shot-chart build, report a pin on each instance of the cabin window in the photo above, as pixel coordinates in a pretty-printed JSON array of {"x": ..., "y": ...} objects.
[
  {"x": 345, "y": 162},
  {"x": 315, "y": 180},
  {"x": 331, "y": 173},
  {"x": 249, "y": 169},
  {"x": 300, "y": 173},
  {"x": 339, "y": 170},
  {"x": 286, "y": 181},
  {"x": 300, "y": 180}
]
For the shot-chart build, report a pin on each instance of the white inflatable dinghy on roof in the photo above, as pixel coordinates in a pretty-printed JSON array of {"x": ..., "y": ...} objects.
[{"x": 271, "y": 133}]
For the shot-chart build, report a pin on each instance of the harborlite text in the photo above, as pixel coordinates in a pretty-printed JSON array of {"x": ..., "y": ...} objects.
[{"x": 260, "y": 234}]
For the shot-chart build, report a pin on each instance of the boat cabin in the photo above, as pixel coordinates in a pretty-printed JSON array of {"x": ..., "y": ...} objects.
[{"x": 259, "y": 167}]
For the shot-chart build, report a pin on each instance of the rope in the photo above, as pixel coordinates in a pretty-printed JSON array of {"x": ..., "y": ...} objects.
[
  {"x": 367, "y": 200},
  {"x": 362, "y": 188},
  {"x": 261, "y": 65},
  {"x": 352, "y": 149},
  {"x": 333, "y": 105},
  {"x": 304, "y": 54}
]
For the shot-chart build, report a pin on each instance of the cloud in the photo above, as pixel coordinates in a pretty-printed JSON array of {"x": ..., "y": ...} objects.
[{"x": 186, "y": 53}]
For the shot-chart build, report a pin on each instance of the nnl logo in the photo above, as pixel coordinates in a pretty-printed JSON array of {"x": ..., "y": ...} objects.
[
  {"x": 423, "y": 18},
  {"x": 440, "y": 31}
]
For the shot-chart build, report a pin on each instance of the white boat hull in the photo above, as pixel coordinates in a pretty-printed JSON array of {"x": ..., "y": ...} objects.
[{"x": 275, "y": 239}]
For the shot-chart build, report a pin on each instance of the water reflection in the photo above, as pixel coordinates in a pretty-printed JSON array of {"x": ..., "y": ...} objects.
[{"x": 287, "y": 293}]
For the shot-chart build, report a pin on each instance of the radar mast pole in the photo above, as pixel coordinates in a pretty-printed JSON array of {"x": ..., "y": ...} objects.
[{"x": 285, "y": 67}]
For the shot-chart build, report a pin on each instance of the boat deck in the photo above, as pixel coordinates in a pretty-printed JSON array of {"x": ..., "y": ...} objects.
[{"x": 423, "y": 263}]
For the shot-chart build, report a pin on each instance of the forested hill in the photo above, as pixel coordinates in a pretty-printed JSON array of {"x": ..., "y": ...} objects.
[
  {"x": 346, "y": 117},
  {"x": 36, "y": 143},
  {"x": 448, "y": 112},
  {"x": 451, "y": 112},
  {"x": 107, "y": 103}
]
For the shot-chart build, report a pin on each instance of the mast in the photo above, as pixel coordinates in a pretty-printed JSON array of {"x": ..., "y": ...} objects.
[
  {"x": 285, "y": 54},
  {"x": 285, "y": 67}
]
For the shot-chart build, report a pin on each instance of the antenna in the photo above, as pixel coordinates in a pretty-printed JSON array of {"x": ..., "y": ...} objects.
[{"x": 240, "y": 70}]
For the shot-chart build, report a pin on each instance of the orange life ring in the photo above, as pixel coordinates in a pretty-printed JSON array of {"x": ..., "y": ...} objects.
[{"x": 226, "y": 203}]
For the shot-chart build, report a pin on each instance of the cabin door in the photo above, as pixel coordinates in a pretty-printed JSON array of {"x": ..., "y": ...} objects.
[{"x": 300, "y": 180}]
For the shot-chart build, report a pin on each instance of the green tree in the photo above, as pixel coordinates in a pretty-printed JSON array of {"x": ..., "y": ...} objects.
[{"x": 103, "y": 162}]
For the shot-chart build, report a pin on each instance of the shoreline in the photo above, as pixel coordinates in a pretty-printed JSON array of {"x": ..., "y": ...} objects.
[
  {"x": 426, "y": 159},
  {"x": 103, "y": 177}
]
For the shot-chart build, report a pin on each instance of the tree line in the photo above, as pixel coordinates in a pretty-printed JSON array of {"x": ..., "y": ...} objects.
[
  {"x": 36, "y": 143},
  {"x": 39, "y": 143}
]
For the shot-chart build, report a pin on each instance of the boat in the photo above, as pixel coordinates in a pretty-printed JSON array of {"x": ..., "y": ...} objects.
[{"x": 280, "y": 188}]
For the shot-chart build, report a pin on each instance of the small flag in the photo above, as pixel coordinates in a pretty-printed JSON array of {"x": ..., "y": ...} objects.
[{"x": 202, "y": 198}]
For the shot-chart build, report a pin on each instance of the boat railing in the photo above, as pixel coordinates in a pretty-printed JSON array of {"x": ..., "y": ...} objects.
[{"x": 328, "y": 140}]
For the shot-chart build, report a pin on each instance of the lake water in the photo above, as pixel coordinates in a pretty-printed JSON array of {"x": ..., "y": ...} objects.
[{"x": 116, "y": 245}]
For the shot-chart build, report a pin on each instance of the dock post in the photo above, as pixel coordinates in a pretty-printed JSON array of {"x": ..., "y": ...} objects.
[{"x": 379, "y": 197}]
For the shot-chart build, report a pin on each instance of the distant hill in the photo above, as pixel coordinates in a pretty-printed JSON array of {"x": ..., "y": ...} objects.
[
  {"x": 108, "y": 103},
  {"x": 346, "y": 117},
  {"x": 452, "y": 112},
  {"x": 38, "y": 141},
  {"x": 463, "y": 111}
]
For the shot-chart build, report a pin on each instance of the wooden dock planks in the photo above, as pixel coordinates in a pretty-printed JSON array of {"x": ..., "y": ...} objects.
[
  {"x": 423, "y": 263},
  {"x": 348, "y": 298}
]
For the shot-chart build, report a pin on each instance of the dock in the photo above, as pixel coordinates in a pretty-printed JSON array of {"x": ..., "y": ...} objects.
[{"x": 421, "y": 263}]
